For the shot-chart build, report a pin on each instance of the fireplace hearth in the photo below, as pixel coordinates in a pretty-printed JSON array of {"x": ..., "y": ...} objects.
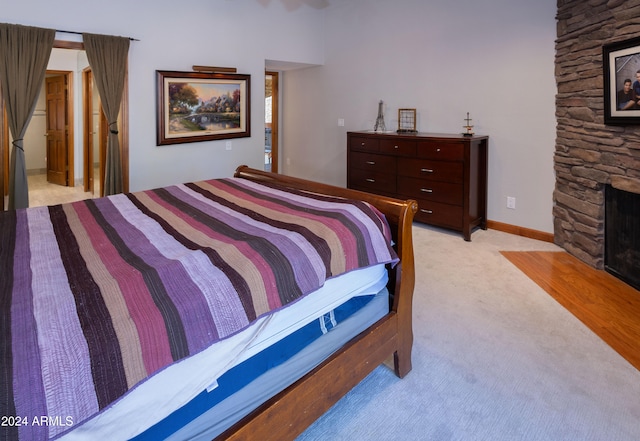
[{"x": 622, "y": 235}]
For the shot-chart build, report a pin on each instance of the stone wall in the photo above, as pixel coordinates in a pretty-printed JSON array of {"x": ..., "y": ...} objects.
[{"x": 589, "y": 154}]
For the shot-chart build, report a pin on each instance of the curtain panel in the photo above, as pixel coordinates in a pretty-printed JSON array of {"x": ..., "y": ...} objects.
[
  {"x": 107, "y": 57},
  {"x": 24, "y": 55}
]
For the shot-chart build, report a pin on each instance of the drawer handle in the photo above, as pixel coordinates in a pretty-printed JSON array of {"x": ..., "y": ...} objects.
[
  {"x": 362, "y": 144},
  {"x": 426, "y": 170},
  {"x": 395, "y": 146},
  {"x": 438, "y": 149},
  {"x": 426, "y": 190},
  {"x": 371, "y": 180},
  {"x": 371, "y": 162},
  {"x": 423, "y": 210}
]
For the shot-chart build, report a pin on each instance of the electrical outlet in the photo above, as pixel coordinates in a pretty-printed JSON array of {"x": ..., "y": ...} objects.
[
  {"x": 511, "y": 202},
  {"x": 340, "y": 122},
  {"x": 228, "y": 145}
]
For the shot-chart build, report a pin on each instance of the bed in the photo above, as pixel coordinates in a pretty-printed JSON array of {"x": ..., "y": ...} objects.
[{"x": 236, "y": 308}]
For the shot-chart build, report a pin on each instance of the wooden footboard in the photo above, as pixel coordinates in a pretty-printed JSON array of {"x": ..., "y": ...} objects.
[{"x": 290, "y": 412}]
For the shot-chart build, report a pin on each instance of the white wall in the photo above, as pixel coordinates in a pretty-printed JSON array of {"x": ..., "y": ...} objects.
[
  {"x": 176, "y": 36},
  {"x": 36, "y": 154},
  {"x": 492, "y": 58}
]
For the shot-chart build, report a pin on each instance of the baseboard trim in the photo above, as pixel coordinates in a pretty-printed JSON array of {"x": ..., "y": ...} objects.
[
  {"x": 36, "y": 171},
  {"x": 520, "y": 231}
]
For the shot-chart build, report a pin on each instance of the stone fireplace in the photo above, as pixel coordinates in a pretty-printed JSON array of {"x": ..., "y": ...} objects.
[{"x": 589, "y": 154}]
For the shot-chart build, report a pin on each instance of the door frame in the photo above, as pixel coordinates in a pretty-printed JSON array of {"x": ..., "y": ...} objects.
[
  {"x": 88, "y": 131},
  {"x": 87, "y": 125},
  {"x": 4, "y": 153},
  {"x": 275, "y": 120}
]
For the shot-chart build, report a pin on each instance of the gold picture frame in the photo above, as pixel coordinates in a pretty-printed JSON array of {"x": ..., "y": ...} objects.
[
  {"x": 407, "y": 120},
  {"x": 202, "y": 106}
]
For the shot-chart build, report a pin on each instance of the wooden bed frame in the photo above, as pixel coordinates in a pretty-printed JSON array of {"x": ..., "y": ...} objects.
[{"x": 290, "y": 412}]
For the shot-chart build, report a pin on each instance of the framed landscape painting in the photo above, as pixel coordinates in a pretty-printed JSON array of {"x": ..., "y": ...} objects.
[{"x": 202, "y": 106}]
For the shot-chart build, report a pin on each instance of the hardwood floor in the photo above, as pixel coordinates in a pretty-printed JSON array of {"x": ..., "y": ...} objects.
[{"x": 606, "y": 305}]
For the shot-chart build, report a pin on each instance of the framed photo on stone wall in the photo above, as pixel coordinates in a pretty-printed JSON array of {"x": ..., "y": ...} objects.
[
  {"x": 621, "y": 63},
  {"x": 201, "y": 106}
]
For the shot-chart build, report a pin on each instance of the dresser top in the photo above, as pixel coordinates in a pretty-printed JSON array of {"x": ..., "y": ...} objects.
[{"x": 414, "y": 135}]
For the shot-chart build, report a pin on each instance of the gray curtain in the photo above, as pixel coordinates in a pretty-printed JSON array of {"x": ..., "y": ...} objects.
[
  {"x": 107, "y": 57},
  {"x": 24, "y": 54}
]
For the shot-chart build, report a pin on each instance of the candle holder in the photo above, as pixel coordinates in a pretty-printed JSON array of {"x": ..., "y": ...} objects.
[{"x": 468, "y": 126}]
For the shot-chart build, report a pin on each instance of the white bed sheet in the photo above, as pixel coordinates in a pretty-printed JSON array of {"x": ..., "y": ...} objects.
[
  {"x": 211, "y": 423},
  {"x": 171, "y": 388}
]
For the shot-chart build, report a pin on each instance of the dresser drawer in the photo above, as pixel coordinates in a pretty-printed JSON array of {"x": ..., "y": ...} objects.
[
  {"x": 448, "y": 151},
  {"x": 373, "y": 181},
  {"x": 436, "y": 213},
  {"x": 372, "y": 162},
  {"x": 364, "y": 144},
  {"x": 430, "y": 190},
  {"x": 398, "y": 147},
  {"x": 445, "y": 171}
]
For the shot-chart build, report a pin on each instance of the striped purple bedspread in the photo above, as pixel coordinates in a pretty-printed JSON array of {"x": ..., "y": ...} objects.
[{"x": 98, "y": 295}]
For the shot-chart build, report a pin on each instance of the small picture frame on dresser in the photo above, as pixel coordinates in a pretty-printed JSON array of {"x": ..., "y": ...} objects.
[{"x": 407, "y": 121}]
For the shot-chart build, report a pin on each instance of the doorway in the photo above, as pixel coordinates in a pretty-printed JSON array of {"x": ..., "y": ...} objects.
[
  {"x": 50, "y": 138},
  {"x": 123, "y": 128},
  {"x": 271, "y": 81}
]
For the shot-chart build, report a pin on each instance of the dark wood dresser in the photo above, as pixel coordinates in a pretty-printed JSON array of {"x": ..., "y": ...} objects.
[{"x": 445, "y": 173}]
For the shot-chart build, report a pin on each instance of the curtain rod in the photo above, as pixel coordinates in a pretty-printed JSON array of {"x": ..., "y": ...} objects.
[{"x": 80, "y": 33}]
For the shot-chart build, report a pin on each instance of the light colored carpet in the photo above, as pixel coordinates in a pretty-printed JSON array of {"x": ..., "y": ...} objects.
[{"x": 495, "y": 358}]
